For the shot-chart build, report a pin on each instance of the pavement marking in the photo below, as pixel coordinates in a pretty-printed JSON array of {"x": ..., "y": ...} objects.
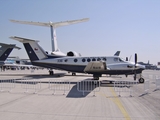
[{"x": 117, "y": 101}]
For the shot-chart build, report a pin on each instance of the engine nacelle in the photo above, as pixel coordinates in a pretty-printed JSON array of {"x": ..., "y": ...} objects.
[
  {"x": 73, "y": 53},
  {"x": 55, "y": 53}
]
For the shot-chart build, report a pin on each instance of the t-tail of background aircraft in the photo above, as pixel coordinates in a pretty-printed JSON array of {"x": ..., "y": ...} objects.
[
  {"x": 112, "y": 65},
  {"x": 53, "y": 26}
]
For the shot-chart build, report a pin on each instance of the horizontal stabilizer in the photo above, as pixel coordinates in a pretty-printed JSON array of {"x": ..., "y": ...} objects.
[
  {"x": 53, "y": 24},
  {"x": 9, "y": 45},
  {"x": 23, "y": 40}
]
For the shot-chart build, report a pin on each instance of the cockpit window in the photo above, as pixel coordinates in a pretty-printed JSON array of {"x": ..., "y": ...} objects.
[
  {"x": 98, "y": 59},
  {"x": 104, "y": 59},
  {"x": 93, "y": 59}
]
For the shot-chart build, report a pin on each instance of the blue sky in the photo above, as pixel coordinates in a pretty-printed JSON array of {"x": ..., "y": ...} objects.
[{"x": 131, "y": 26}]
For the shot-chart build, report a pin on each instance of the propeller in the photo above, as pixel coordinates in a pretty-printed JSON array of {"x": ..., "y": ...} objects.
[
  {"x": 126, "y": 58},
  {"x": 135, "y": 59}
]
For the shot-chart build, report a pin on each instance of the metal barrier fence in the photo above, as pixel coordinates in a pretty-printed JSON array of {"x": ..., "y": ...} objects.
[
  {"x": 7, "y": 84},
  {"x": 146, "y": 86},
  {"x": 27, "y": 84},
  {"x": 88, "y": 86},
  {"x": 157, "y": 84},
  {"x": 125, "y": 86},
  {"x": 59, "y": 85}
]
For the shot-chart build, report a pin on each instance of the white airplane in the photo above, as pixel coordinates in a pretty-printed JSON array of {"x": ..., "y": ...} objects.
[
  {"x": 53, "y": 26},
  {"x": 112, "y": 65}
]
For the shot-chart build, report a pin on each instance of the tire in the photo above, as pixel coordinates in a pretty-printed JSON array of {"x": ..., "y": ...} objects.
[{"x": 141, "y": 80}]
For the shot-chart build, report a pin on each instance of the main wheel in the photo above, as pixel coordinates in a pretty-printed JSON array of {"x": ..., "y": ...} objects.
[{"x": 73, "y": 74}]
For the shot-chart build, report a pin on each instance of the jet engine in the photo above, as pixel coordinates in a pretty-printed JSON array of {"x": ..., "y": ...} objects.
[
  {"x": 73, "y": 53},
  {"x": 55, "y": 53}
]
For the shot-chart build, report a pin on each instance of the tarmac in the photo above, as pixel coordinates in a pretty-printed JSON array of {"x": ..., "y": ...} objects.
[{"x": 35, "y": 95}]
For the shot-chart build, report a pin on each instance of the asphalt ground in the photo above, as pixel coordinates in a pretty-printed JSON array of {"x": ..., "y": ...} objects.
[{"x": 26, "y": 94}]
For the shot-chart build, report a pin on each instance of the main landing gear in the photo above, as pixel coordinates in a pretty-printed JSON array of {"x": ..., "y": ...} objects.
[
  {"x": 51, "y": 72},
  {"x": 73, "y": 74},
  {"x": 96, "y": 76}
]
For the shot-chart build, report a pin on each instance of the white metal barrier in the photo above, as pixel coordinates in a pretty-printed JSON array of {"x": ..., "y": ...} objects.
[
  {"x": 125, "y": 86},
  {"x": 146, "y": 86},
  {"x": 28, "y": 84},
  {"x": 88, "y": 86},
  {"x": 59, "y": 85},
  {"x": 7, "y": 84},
  {"x": 157, "y": 84}
]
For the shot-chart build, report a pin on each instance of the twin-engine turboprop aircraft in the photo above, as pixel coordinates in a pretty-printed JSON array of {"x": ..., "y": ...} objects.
[{"x": 112, "y": 65}]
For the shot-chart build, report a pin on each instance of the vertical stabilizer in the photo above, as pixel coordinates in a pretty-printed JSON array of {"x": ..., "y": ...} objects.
[
  {"x": 117, "y": 53},
  {"x": 5, "y": 50},
  {"x": 34, "y": 51}
]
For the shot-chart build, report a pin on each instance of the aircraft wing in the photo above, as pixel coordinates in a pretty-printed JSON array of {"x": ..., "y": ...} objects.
[{"x": 55, "y": 24}]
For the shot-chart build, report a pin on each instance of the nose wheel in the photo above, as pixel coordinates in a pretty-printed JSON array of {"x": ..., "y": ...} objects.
[{"x": 141, "y": 80}]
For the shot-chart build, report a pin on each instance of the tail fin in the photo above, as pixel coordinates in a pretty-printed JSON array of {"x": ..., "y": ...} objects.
[
  {"x": 117, "y": 53},
  {"x": 34, "y": 51},
  {"x": 5, "y": 50}
]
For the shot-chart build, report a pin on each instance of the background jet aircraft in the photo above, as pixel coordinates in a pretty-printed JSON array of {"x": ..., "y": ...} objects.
[
  {"x": 53, "y": 26},
  {"x": 112, "y": 65}
]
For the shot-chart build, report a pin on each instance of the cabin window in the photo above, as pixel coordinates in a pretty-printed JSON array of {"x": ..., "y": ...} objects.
[
  {"x": 98, "y": 59},
  {"x": 75, "y": 60},
  {"x": 116, "y": 59},
  {"x": 60, "y": 60},
  {"x": 83, "y": 60},
  {"x": 88, "y": 60},
  {"x": 93, "y": 59},
  {"x": 65, "y": 60}
]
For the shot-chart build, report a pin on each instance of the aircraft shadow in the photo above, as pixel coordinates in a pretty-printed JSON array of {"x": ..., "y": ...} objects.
[{"x": 74, "y": 93}]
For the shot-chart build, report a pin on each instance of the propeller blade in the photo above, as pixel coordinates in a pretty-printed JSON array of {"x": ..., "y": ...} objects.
[
  {"x": 135, "y": 74},
  {"x": 126, "y": 58},
  {"x": 135, "y": 58}
]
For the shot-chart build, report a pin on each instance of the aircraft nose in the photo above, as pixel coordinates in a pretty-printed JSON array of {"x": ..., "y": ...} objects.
[{"x": 141, "y": 66}]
